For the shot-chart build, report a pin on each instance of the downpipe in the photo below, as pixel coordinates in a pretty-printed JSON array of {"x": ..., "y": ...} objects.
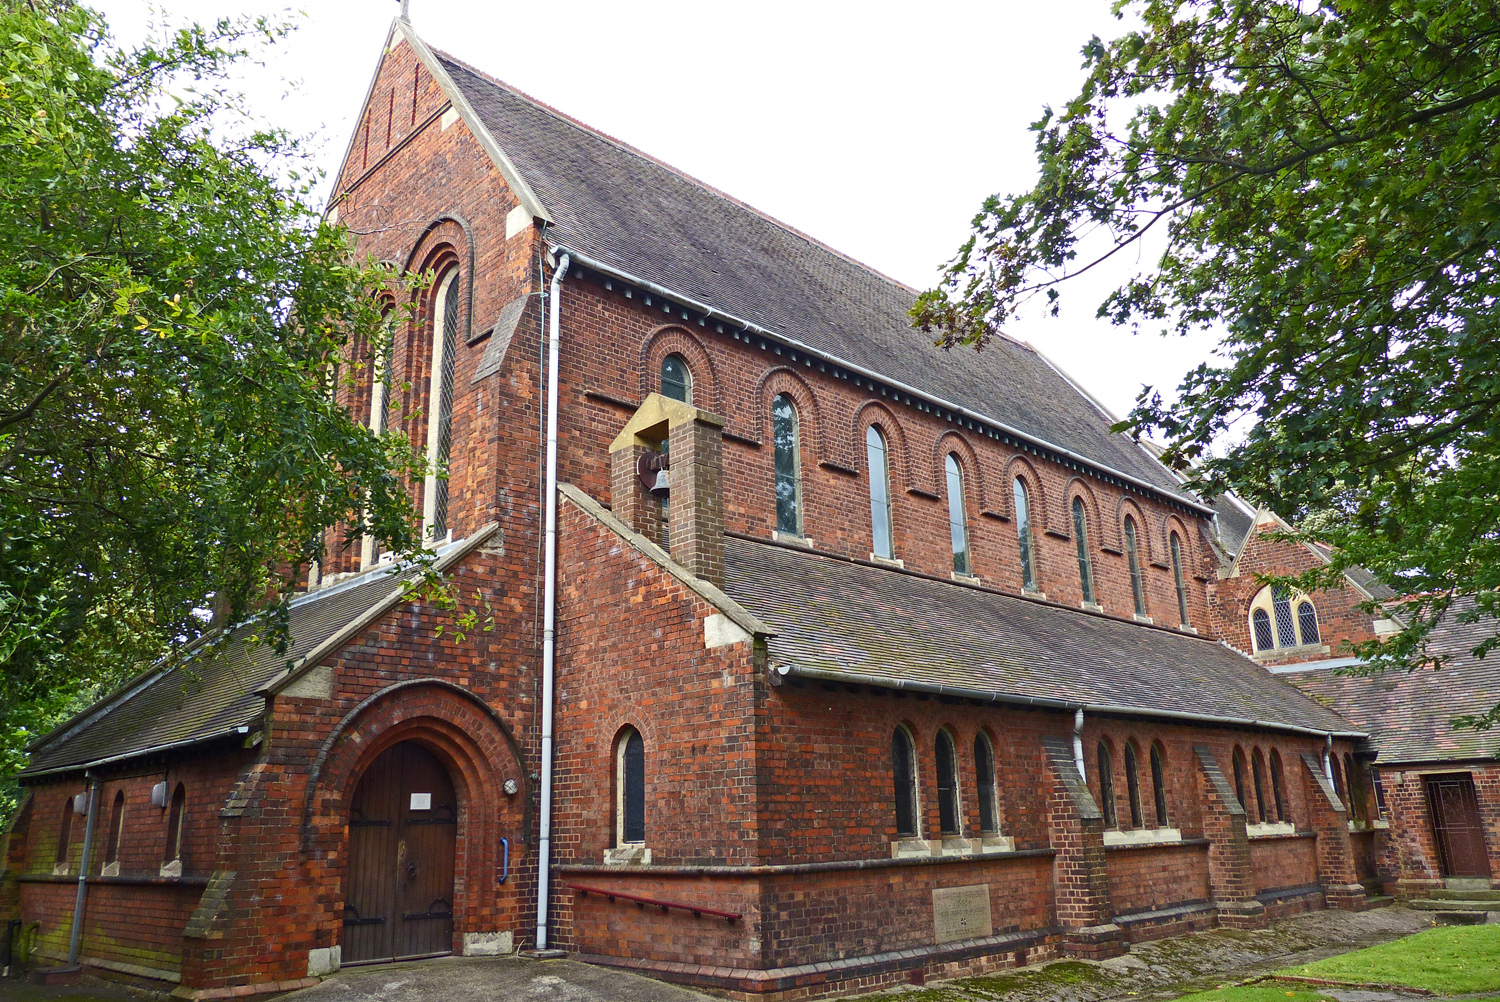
[
  {"x": 549, "y": 604},
  {"x": 75, "y": 938}
]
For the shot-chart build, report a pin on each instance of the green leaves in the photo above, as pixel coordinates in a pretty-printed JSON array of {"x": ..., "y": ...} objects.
[
  {"x": 1328, "y": 180},
  {"x": 170, "y": 312}
]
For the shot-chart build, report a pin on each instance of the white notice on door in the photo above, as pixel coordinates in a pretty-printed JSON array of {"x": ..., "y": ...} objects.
[{"x": 421, "y": 801}]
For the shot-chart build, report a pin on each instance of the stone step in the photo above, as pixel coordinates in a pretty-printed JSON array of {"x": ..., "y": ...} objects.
[
  {"x": 1430, "y": 905},
  {"x": 1462, "y": 918},
  {"x": 1467, "y": 883},
  {"x": 1450, "y": 894}
]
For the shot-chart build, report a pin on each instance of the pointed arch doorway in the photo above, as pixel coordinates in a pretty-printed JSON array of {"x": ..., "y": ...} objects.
[{"x": 403, "y": 833}]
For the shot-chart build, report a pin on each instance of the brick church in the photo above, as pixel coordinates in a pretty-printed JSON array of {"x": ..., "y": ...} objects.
[{"x": 831, "y": 661}]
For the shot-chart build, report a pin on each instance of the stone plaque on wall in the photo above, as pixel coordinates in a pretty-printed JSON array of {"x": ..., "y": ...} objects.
[{"x": 961, "y": 913}]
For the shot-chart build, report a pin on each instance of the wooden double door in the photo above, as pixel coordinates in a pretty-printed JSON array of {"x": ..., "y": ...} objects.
[
  {"x": 403, "y": 828},
  {"x": 1457, "y": 825}
]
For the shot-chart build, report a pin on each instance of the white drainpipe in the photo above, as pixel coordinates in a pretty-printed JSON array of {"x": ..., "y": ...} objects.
[
  {"x": 1328, "y": 758},
  {"x": 549, "y": 607},
  {"x": 1078, "y": 744}
]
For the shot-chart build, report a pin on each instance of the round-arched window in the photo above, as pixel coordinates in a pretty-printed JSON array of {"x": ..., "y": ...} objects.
[{"x": 676, "y": 379}]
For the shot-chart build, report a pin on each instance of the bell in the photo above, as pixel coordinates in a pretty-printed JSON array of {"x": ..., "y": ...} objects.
[{"x": 663, "y": 486}]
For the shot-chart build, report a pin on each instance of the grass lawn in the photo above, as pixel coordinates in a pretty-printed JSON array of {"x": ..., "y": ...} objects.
[{"x": 1448, "y": 960}]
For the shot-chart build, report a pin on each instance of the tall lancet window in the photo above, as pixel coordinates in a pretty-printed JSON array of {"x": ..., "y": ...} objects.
[
  {"x": 788, "y": 456},
  {"x": 878, "y": 460},
  {"x": 1133, "y": 555},
  {"x": 440, "y": 407},
  {"x": 1085, "y": 561},
  {"x": 1023, "y": 533},
  {"x": 958, "y": 525}
]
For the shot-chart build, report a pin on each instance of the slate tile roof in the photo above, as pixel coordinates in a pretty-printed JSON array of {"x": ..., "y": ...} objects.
[
  {"x": 206, "y": 694},
  {"x": 1409, "y": 715},
  {"x": 848, "y": 617},
  {"x": 620, "y": 206}
]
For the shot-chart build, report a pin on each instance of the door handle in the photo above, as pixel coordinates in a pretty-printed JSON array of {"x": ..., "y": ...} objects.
[{"x": 505, "y": 848}]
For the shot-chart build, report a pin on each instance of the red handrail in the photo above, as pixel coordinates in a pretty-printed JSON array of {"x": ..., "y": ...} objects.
[{"x": 697, "y": 910}]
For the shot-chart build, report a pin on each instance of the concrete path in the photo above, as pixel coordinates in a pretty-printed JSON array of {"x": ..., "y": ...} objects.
[
  {"x": 1170, "y": 968},
  {"x": 482, "y": 979}
]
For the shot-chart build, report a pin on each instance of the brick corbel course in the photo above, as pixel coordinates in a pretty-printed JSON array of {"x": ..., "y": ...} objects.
[
  {"x": 1330, "y": 821},
  {"x": 1230, "y": 878},
  {"x": 1080, "y": 875}
]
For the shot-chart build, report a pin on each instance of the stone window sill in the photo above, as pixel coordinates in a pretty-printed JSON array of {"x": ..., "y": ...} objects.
[
  {"x": 1187, "y": 628},
  {"x": 172, "y": 869},
  {"x": 792, "y": 538},
  {"x": 1040, "y": 596},
  {"x": 61, "y": 870},
  {"x": 635, "y": 854},
  {"x": 1091, "y": 606},
  {"x": 1278, "y": 653},
  {"x": 1144, "y": 619},
  {"x": 1143, "y": 836},
  {"x": 875, "y": 558},
  {"x": 1270, "y": 829},
  {"x": 110, "y": 870},
  {"x": 951, "y": 845},
  {"x": 968, "y": 579}
]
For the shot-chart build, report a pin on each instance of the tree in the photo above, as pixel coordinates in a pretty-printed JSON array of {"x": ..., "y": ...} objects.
[
  {"x": 173, "y": 312},
  {"x": 1325, "y": 178}
]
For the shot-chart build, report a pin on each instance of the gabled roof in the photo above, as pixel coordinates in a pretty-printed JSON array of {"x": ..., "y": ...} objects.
[
  {"x": 217, "y": 689},
  {"x": 842, "y": 619},
  {"x": 631, "y": 213},
  {"x": 1409, "y": 714}
]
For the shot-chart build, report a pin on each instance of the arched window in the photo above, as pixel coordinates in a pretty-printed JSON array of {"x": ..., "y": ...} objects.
[
  {"x": 958, "y": 525},
  {"x": 676, "y": 379},
  {"x": 1274, "y": 604},
  {"x": 116, "y": 829},
  {"x": 1159, "y": 787},
  {"x": 1338, "y": 779},
  {"x": 1085, "y": 563},
  {"x": 1177, "y": 575},
  {"x": 64, "y": 835},
  {"x": 379, "y": 374},
  {"x": 1239, "y": 780},
  {"x": 630, "y": 786},
  {"x": 788, "y": 465},
  {"x": 1133, "y": 785},
  {"x": 1023, "y": 533},
  {"x": 174, "y": 823},
  {"x": 904, "y": 772},
  {"x": 984, "y": 773},
  {"x": 1257, "y": 773},
  {"x": 947, "y": 784},
  {"x": 1260, "y": 623},
  {"x": 1307, "y": 622},
  {"x": 1278, "y": 785},
  {"x": 1133, "y": 555},
  {"x": 1107, "y": 787},
  {"x": 1356, "y": 789},
  {"x": 440, "y": 406},
  {"x": 878, "y": 458}
]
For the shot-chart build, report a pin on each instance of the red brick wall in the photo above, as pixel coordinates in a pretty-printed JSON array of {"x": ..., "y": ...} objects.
[
  {"x": 1149, "y": 878},
  {"x": 1282, "y": 861}
]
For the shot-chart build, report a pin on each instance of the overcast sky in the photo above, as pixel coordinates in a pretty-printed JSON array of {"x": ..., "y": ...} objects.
[{"x": 876, "y": 128}]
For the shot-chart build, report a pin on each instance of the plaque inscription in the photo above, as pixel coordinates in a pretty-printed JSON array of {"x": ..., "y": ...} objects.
[{"x": 961, "y": 913}]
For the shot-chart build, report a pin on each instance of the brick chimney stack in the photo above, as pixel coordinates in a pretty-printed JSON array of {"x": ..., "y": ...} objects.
[{"x": 695, "y": 507}]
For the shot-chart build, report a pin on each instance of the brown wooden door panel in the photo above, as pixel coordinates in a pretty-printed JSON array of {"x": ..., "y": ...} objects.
[
  {"x": 399, "y": 889},
  {"x": 428, "y": 832},
  {"x": 1457, "y": 826}
]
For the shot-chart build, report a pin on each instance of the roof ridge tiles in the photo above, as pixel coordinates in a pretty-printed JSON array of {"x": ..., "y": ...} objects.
[{"x": 636, "y": 151}]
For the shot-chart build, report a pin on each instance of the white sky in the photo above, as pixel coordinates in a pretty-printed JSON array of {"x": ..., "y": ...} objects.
[{"x": 876, "y": 128}]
